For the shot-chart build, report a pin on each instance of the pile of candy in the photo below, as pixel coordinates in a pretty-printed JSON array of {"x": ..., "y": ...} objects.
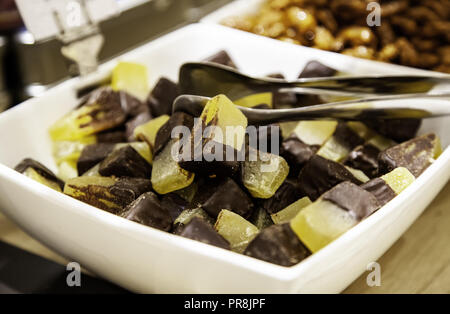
[{"x": 115, "y": 152}]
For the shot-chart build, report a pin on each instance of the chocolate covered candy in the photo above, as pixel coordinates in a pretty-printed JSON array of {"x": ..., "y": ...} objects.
[
  {"x": 147, "y": 132},
  {"x": 415, "y": 155},
  {"x": 296, "y": 153},
  {"x": 133, "y": 123},
  {"x": 219, "y": 194},
  {"x": 101, "y": 112},
  {"x": 187, "y": 215},
  {"x": 106, "y": 193},
  {"x": 320, "y": 175},
  {"x": 147, "y": 210},
  {"x": 278, "y": 244},
  {"x": 162, "y": 97},
  {"x": 235, "y": 229},
  {"x": 164, "y": 134},
  {"x": 260, "y": 218},
  {"x": 364, "y": 158},
  {"x": 174, "y": 204},
  {"x": 222, "y": 57},
  {"x": 287, "y": 214},
  {"x": 399, "y": 130},
  {"x": 92, "y": 155},
  {"x": 125, "y": 162},
  {"x": 317, "y": 69},
  {"x": 333, "y": 214},
  {"x": 198, "y": 229},
  {"x": 287, "y": 194},
  {"x": 38, "y": 172},
  {"x": 340, "y": 144},
  {"x": 167, "y": 175}
]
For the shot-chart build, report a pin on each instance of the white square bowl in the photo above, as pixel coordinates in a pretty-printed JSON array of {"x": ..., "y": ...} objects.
[{"x": 143, "y": 259}]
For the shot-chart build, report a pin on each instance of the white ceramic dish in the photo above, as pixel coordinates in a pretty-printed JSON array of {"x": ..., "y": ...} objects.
[{"x": 143, "y": 259}]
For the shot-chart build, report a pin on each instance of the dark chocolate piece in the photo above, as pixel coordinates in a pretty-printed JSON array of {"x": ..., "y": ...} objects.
[
  {"x": 107, "y": 112},
  {"x": 215, "y": 195},
  {"x": 380, "y": 189},
  {"x": 131, "y": 105},
  {"x": 199, "y": 230},
  {"x": 92, "y": 155},
  {"x": 317, "y": 69},
  {"x": 287, "y": 194},
  {"x": 164, "y": 134},
  {"x": 415, "y": 155},
  {"x": 129, "y": 189},
  {"x": 125, "y": 162},
  {"x": 162, "y": 97},
  {"x": 278, "y": 244},
  {"x": 203, "y": 161},
  {"x": 174, "y": 204},
  {"x": 399, "y": 130},
  {"x": 364, "y": 158},
  {"x": 147, "y": 210},
  {"x": 320, "y": 175},
  {"x": 296, "y": 154},
  {"x": 39, "y": 168},
  {"x": 347, "y": 137},
  {"x": 354, "y": 199},
  {"x": 113, "y": 136},
  {"x": 222, "y": 57},
  {"x": 134, "y": 123}
]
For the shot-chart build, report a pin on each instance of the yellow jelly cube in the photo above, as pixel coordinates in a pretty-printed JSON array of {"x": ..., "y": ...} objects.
[
  {"x": 399, "y": 179},
  {"x": 131, "y": 78},
  {"x": 291, "y": 211}
]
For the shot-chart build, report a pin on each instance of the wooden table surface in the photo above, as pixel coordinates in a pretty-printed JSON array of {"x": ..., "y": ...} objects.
[{"x": 419, "y": 262}]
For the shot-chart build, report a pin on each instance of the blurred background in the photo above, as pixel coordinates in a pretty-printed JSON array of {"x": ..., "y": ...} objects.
[{"x": 28, "y": 68}]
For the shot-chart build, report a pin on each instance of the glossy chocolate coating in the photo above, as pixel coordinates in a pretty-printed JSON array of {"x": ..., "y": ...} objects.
[
  {"x": 92, "y": 155},
  {"x": 415, "y": 155},
  {"x": 347, "y": 137},
  {"x": 316, "y": 69},
  {"x": 278, "y": 244},
  {"x": 147, "y": 210},
  {"x": 199, "y": 230},
  {"x": 399, "y": 130},
  {"x": 222, "y": 57},
  {"x": 364, "y": 158},
  {"x": 174, "y": 204},
  {"x": 128, "y": 189},
  {"x": 287, "y": 194},
  {"x": 131, "y": 105},
  {"x": 218, "y": 194},
  {"x": 320, "y": 175},
  {"x": 162, "y": 97},
  {"x": 380, "y": 189},
  {"x": 134, "y": 123},
  {"x": 164, "y": 134},
  {"x": 112, "y": 136},
  {"x": 39, "y": 168},
  {"x": 125, "y": 162},
  {"x": 354, "y": 199},
  {"x": 296, "y": 154}
]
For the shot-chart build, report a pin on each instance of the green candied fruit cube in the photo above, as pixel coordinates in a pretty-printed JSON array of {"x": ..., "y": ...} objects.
[
  {"x": 315, "y": 132},
  {"x": 399, "y": 179},
  {"x": 147, "y": 132},
  {"x": 70, "y": 150},
  {"x": 333, "y": 150},
  {"x": 361, "y": 129},
  {"x": 235, "y": 229},
  {"x": 131, "y": 78},
  {"x": 321, "y": 223},
  {"x": 255, "y": 100},
  {"x": 358, "y": 174},
  {"x": 381, "y": 142},
  {"x": 188, "y": 193},
  {"x": 263, "y": 177},
  {"x": 228, "y": 121},
  {"x": 33, "y": 174},
  {"x": 167, "y": 175},
  {"x": 67, "y": 170},
  {"x": 102, "y": 111},
  {"x": 289, "y": 213}
]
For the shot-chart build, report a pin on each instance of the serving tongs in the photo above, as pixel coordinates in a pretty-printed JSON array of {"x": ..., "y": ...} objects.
[{"x": 384, "y": 97}]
